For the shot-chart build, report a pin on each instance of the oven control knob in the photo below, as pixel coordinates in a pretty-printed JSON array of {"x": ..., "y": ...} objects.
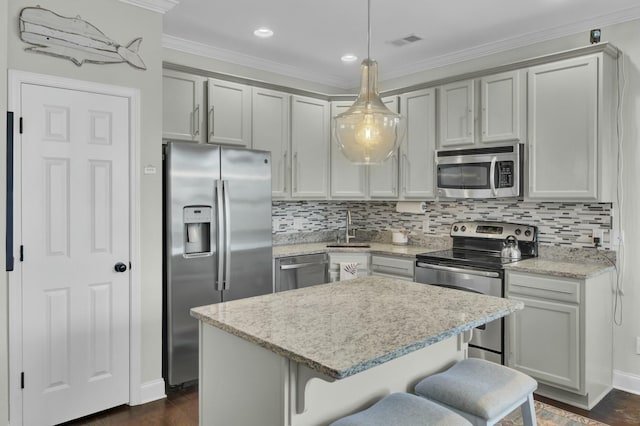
[
  {"x": 527, "y": 233},
  {"x": 455, "y": 228},
  {"x": 464, "y": 228},
  {"x": 518, "y": 231}
]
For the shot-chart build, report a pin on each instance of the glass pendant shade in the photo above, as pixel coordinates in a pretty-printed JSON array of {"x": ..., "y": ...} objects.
[{"x": 368, "y": 132}]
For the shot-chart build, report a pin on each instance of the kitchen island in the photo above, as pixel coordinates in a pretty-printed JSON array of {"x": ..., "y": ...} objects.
[{"x": 310, "y": 356}]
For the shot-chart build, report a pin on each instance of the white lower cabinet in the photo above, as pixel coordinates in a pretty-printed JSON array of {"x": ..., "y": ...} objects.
[
  {"x": 335, "y": 259},
  {"x": 399, "y": 267},
  {"x": 563, "y": 336}
]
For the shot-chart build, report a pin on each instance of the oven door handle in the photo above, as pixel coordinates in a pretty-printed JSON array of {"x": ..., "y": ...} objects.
[
  {"x": 459, "y": 270},
  {"x": 492, "y": 176},
  {"x": 457, "y": 287}
]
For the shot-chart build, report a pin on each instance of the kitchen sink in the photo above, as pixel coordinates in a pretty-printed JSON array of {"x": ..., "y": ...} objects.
[{"x": 349, "y": 245}]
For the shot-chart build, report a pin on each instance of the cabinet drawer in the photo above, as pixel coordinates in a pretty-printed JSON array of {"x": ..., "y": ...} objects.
[
  {"x": 362, "y": 259},
  {"x": 392, "y": 266},
  {"x": 552, "y": 288}
]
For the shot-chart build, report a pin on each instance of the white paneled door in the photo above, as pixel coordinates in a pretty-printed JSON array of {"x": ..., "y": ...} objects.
[{"x": 75, "y": 233}]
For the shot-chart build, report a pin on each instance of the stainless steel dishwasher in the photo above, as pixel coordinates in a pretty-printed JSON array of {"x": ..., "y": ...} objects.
[{"x": 301, "y": 271}]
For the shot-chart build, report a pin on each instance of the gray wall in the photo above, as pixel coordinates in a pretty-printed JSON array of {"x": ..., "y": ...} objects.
[{"x": 123, "y": 23}]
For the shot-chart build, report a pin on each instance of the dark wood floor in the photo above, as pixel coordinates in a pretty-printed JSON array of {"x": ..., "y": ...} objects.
[{"x": 180, "y": 408}]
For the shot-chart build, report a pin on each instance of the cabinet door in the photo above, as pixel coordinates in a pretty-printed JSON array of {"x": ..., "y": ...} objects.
[
  {"x": 562, "y": 125},
  {"x": 270, "y": 127},
  {"x": 229, "y": 113},
  {"x": 417, "y": 150},
  {"x": 456, "y": 114},
  {"x": 383, "y": 178},
  {"x": 182, "y": 107},
  {"x": 501, "y": 109},
  {"x": 545, "y": 341},
  {"x": 348, "y": 180},
  {"x": 310, "y": 147}
]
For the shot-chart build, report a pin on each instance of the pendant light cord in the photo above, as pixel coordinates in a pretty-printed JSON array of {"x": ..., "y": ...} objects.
[
  {"x": 368, "y": 50},
  {"x": 369, "y": 30}
]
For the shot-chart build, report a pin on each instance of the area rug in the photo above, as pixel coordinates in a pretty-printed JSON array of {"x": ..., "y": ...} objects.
[{"x": 547, "y": 415}]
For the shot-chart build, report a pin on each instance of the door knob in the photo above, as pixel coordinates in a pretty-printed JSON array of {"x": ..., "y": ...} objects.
[{"x": 120, "y": 267}]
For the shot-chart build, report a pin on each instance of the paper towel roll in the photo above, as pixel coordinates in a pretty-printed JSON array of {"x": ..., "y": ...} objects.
[{"x": 411, "y": 207}]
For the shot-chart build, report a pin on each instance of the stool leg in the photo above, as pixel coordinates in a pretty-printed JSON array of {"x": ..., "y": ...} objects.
[{"x": 528, "y": 412}]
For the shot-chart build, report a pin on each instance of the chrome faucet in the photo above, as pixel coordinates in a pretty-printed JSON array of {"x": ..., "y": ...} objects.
[{"x": 348, "y": 236}]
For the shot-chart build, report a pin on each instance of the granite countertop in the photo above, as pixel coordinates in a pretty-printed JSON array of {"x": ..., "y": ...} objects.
[
  {"x": 343, "y": 328},
  {"x": 376, "y": 248},
  {"x": 577, "y": 264},
  {"x": 560, "y": 267}
]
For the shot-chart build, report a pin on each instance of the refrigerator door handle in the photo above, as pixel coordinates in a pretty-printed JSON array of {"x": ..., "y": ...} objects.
[
  {"x": 220, "y": 248},
  {"x": 227, "y": 235}
]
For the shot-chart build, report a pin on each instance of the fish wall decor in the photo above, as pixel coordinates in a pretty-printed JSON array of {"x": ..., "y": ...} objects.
[{"x": 74, "y": 39}]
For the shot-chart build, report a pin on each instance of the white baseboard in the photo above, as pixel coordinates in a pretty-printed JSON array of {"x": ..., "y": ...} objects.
[
  {"x": 626, "y": 382},
  {"x": 152, "y": 391}
]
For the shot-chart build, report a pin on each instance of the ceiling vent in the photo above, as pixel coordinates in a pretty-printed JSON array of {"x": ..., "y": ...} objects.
[{"x": 405, "y": 40}]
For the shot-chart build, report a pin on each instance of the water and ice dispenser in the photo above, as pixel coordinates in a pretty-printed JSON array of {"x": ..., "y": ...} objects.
[{"x": 197, "y": 230}]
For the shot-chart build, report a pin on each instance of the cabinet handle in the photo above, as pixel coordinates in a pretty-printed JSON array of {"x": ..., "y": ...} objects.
[
  {"x": 284, "y": 170},
  {"x": 407, "y": 168},
  {"x": 196, "y": 114},
  {"x": 295, "y": 172},
  {"x": 211, "y": 121},
  {"x": 394, "y": 178}
]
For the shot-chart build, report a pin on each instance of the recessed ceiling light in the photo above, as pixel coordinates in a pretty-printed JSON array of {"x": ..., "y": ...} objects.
[
  {"x": 348, "y": 58},
  {"x": 263, "y": 32}
]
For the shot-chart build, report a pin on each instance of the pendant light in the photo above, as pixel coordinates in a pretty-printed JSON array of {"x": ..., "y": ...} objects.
[{"x": 368, "y": 132}]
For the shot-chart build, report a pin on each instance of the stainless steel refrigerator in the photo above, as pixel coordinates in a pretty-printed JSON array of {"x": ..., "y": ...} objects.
[{"x": 218, "y": 240}]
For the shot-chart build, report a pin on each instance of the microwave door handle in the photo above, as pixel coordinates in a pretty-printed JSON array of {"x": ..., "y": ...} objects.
[{"x": 492, "y": 176}]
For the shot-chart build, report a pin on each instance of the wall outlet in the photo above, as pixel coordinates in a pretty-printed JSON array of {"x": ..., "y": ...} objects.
[
  {"x": 425, "y": 226},
  {"x": 597, "y": 234},
  {"x": 638, "y": 345}
]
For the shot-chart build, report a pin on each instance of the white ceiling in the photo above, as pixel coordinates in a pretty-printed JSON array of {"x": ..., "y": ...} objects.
[{"x": 312, "y": 35}]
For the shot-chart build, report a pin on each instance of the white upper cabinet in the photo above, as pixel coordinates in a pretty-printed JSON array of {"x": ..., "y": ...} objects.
[
  {"x": 417, "y": 164},
  {"x": 357, "y": 182},
  {"x": 383, "y": 178},
  {"x": 487, "y": 110},
  {"x": 270, "y": 126},
  {"x": 456, "y": 108},
  {"x": 502, "y": 111},
  {"x": 348, "y": 180},
  {"x": 310, "y": 139},
  {"x": 572, "y": 148},
  {"x": 182, "y": 106},
  {"x": 229, "y": 113}
]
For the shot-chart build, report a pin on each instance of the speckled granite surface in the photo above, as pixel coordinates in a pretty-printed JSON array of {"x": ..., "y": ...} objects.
[
  {"x": 560, "y": 268},
  {"x": 559, "y": 262},
  {"x": 342, "y": 328},
  {"x": 379, "y": 248}
]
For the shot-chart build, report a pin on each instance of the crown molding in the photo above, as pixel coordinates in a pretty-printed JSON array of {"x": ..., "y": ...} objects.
[
  {"x": 463, "y": 55},
  {"x": 475, "y": 52},
  {"x": 160, "y": 6},
  {"x": 207, "y": 51}
]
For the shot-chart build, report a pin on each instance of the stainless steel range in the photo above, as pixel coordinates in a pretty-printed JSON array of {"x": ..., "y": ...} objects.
[{"x": 475, "y": 264}]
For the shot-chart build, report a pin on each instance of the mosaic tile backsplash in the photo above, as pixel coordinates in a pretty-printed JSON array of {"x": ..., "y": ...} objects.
[{"x": 559, "y": 224}]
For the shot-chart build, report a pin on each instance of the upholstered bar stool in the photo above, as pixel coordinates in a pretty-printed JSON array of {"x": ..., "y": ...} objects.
[
  {"x": 481, "y": 391},
  {"x": 403, "y": 409}
]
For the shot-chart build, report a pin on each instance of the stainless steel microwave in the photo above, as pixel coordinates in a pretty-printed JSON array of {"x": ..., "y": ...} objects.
[{"x": 488, "y": 172}]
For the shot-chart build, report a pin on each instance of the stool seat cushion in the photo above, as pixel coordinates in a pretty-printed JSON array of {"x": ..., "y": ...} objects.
[
  {"x": 479, "y": 387},
  {"x": 403, "y": 409}
]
